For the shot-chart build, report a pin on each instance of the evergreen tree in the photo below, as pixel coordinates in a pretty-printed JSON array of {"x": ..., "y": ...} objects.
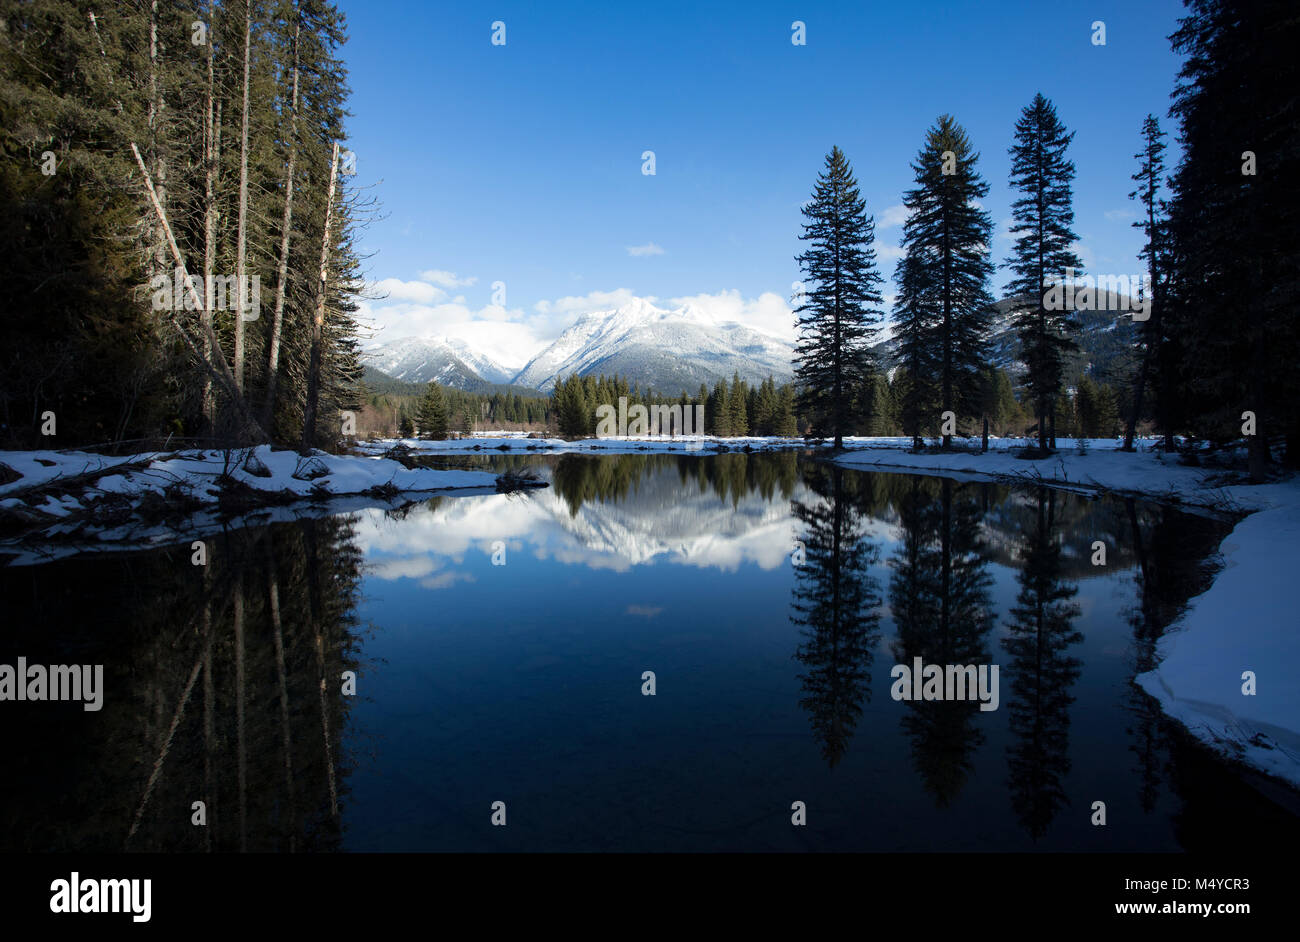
[
  {"x": 881, "y": 407},
  {"x": 1043, "y": 253},
  {"x": 1149, "y": 178},
  {"x": 915, "y": 320},
  {"x": 838, "y": 317},
  {"x": 569, "y": 404},
  {"x": 737, "y": 420},
  {"x": 717, "y": 415},
  {"x": 947, "y": 304},
  {"x": 432, "y": 414},
  {"x": 1097, "y": 412},
  {"x": 783, "y": 419},
  {"x": 1232, "y": 225}
]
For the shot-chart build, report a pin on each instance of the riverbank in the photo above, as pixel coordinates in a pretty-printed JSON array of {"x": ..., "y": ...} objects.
[{"x": 58, "y": 503}]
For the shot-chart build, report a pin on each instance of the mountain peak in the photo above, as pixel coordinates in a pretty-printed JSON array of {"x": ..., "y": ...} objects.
[{"x": 669, "y": 350}]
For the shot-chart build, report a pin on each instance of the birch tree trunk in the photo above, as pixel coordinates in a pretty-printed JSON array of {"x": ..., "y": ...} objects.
[
  {"x": 318, "y": 320},
  {"x": 211, "y": 154},
  {"x": 241, "y": 236},
  {"x": 277, "y": 319},
  {"x": 212, "y": 359}
]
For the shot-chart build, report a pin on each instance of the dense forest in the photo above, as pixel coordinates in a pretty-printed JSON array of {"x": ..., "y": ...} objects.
[{"x": 180, "y": 235}]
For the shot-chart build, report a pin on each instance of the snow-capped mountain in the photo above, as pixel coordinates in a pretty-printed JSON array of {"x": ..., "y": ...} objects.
[
  {"x": 482, "y": 364},
  {"x": 668, "y": 350},
  {"x": 448, "y": 360}
]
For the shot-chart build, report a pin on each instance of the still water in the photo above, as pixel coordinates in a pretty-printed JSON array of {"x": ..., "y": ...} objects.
[{"x": 500, "y": 645}]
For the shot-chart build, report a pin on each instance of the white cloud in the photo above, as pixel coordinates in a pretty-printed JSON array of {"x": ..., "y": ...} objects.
[
  {"x": 505, "y": 333},
  {"x": 446, "y": 279},
  {"x": 888, "y": 253},
  {"x": 650, "y": 248},
  {"x": 445, "y": 580},
  {"x": 394, "y": 289},
  {"x": 591, "y": 301},
  {"x": 1119, "y": 215},
  {"x": 1085, "y": 254},
  {"x": 893, "y": 216},
  {"x": 769, "y": 312}
]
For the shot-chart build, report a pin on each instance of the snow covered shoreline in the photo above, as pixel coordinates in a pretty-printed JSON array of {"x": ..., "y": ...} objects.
[{"x": 73, "y": 501}]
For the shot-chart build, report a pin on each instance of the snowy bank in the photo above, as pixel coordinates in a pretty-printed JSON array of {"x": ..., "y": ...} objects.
[
  {"x": 516, "y": 444},
  {"x": 73, "y": 495},
  {"x": 1246, "y": 621}
]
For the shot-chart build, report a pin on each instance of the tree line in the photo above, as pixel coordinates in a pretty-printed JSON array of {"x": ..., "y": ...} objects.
[
  {"x": 730, "y": 408},
  {"x": 1217, "y": 350}
]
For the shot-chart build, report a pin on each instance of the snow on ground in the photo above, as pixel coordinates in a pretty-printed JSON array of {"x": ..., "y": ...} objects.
[
  {"x": 509, "y": 443},
  {"x": 1102, "y": 466},
  {"x": 193, "y": 477},
  {"x": 260, "y": 468},
  {"x": 1246, "y": 621}
]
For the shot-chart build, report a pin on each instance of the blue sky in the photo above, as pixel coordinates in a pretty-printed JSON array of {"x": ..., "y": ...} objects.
[{"x": 522, "y": 163}]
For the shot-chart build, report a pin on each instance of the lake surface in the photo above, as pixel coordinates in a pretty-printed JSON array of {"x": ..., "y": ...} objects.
[{"x": 499, "y": 645}]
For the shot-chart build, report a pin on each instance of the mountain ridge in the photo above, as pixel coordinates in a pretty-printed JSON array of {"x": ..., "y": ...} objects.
[{"x": 678, "y": 349}]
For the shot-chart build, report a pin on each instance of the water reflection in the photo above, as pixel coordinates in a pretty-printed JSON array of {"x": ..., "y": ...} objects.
[
  {"x": 939, "y": 598},
  {"x": 1041, "y": 672},
  {"x": 222, "y": 686},
  {"x": 224, "y": 682},
  {"x": 835, "y": 604}
]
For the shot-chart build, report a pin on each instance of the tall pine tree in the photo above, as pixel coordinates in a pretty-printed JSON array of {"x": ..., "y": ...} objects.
[
  {"x": 947, "y": 306},
  {"x": 1150, "y": 180},
  {"x": 1042, "y": 221},
  {"x": 841, "y": 308}
]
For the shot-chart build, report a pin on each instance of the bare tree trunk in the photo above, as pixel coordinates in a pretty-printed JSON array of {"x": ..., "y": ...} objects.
[
  {"x": 277, "y": 319},
  {"x": 214, "y": 360},
  {"x": 211, "y": 154},
  {"x": 157, "y": 249},
  {"x": 242, "y": 233},
  {"x": 318, "y": 321}
]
